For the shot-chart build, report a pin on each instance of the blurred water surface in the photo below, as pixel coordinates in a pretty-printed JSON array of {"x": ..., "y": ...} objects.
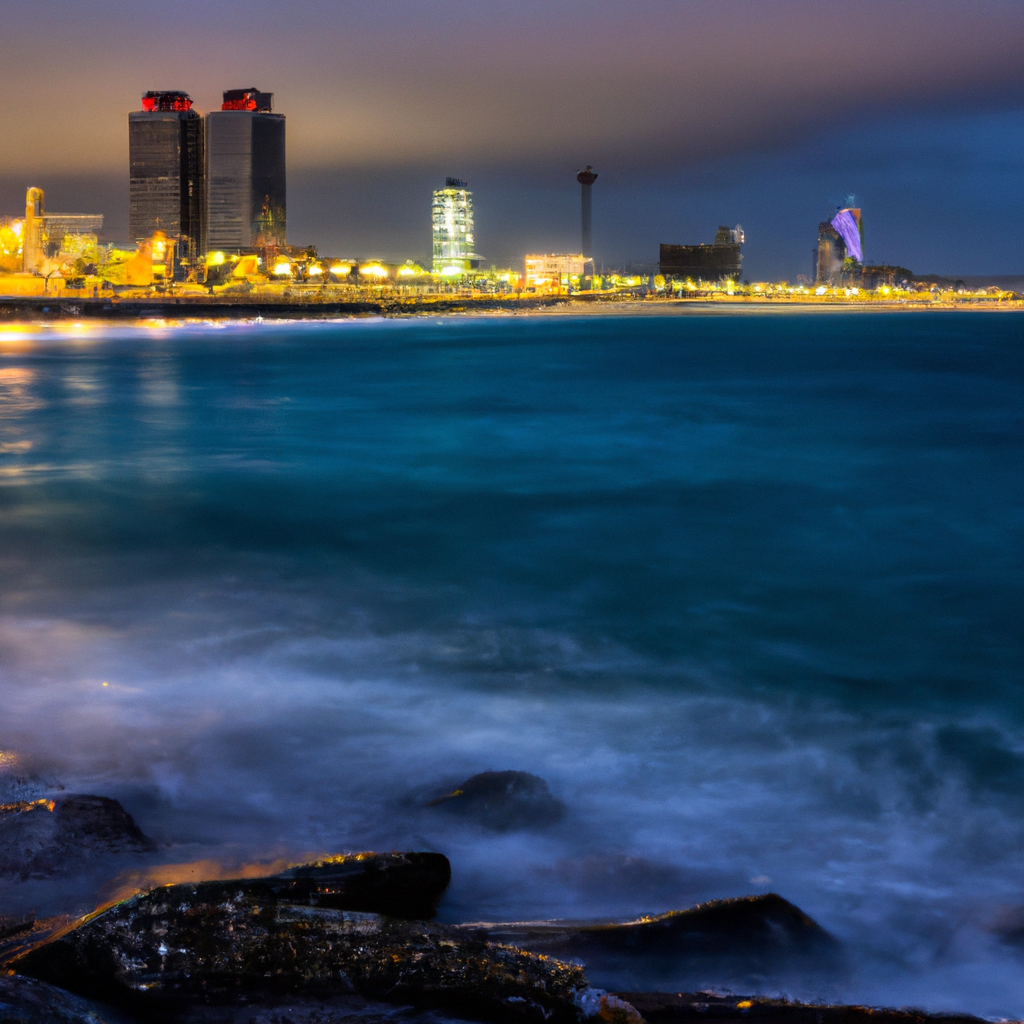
[{"x": 746, "y": 589}]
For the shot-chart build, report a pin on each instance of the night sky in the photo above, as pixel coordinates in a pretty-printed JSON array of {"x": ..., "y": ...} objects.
[{"x": 693, "y": 113}]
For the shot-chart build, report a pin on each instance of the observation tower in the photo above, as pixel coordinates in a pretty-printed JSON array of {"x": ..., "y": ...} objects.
[{"x": 586, "y": 178}]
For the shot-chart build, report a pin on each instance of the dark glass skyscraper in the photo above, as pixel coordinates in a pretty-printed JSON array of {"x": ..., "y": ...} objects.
[
  {"x": 245, "y": 172},
  {"x": 166, "y": 171}
]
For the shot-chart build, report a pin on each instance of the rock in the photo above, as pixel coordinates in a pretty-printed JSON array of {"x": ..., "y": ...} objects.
[
  {"x": 724, "y": 942},
  {"x": 604, "y": 1006},
  {"x": 397, "y": 884},
  {"x": 41, "y": 838},
  {"x": 749, "y": 923},
  {"x": 16, "y": 781},
  {"x": 228, "y": 942},
  {"x": 292, "y": 1009},
  {"x": 405, "y": 885},
  {"x": 27, "y": 1001},
  {"x": 19, "y": 934},
  {"x": 503, "y": 801},
  {"x": 686, "y": 1007}
]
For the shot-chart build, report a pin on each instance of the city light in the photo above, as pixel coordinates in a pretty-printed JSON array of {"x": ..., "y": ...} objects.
[
  {"x": 60, "y": 254},
  {"x": 246, "y": 266}
]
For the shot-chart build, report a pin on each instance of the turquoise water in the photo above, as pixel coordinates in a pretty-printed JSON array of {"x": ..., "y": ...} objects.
[{"x": 744, "y": 588}]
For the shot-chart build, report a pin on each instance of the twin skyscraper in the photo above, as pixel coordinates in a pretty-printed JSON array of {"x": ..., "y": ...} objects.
[{"x": 209, "y": 183}]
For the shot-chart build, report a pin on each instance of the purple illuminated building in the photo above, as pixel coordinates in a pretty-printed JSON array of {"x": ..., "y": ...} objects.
[{"x": 848, "y": 225}]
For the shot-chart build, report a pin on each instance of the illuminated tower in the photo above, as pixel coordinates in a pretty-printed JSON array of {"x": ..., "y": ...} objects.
[
  {"x": 32, "y": 231},
  {"x": 452, "y": 215},
  {"x": 165, "y": 157},
  {"x": 586, "y": 178},
  {"x": 245, "y": 172}
]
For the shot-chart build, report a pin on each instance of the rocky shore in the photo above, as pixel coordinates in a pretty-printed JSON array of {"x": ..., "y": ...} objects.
[{"x": 352, "y": 937}]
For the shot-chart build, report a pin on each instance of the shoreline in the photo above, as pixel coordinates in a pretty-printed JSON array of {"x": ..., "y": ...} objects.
[{"x": 36, "y": 309}]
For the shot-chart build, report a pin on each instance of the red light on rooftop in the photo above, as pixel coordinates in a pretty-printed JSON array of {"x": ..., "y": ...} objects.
[
  {"x": 172, "y": 101},
  {"x": 248, "y": 99}
]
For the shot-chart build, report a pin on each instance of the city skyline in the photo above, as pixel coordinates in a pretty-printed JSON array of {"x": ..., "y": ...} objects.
[{"x": 766, "y": 118}]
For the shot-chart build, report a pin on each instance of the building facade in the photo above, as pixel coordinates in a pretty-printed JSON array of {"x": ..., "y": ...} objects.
[
  {"x": 166, "y": 171},
  {"x": 831, "y": 255},
  {"x": 840, "y": 247},
  {"x": 452, "y": 220},
  {"x": 32, "y": 232},
  {"x": 245, "y": 173},
  {"x": 71, "y": 232},
  {"x": 556, "y": 270},
  {"x": 719, "y": 261},
  {"x": 47, "y": 235},
  {"x": 884, "y": 275}
]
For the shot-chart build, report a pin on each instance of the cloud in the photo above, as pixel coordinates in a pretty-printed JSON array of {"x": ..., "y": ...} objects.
[{"x": 517, "y": 84}]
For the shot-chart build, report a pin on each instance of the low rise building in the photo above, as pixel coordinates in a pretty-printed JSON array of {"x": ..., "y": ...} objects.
[
  {"x": 71, "y": 233},
  {"x": 556, "y": 270},
  {"x": 46, "y": 237},
  {"x": 885, "y": 276},
  {"x": 720, "y": 260}
]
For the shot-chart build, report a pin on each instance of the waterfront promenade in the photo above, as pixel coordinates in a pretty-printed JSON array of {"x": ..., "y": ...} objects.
[{"x": 317, "y": 306}]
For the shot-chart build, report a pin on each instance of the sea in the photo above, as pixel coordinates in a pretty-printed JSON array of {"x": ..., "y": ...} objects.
[{"x": 745, "y": 588}]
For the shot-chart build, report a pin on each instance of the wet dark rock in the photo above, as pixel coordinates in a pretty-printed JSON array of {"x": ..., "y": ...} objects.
[
  {"x": 397, "y": 884},
  {"x": 735, "y": 925},
  {"x": 598, "y": 1005},
  {"x": 406, "y": 885},
  {"x": 42, "y": 838},
  {"x": 732, "y": 941},
  {"x": 229, "y": 942},
  {"x": 686, "y": 1007},
  {"x": 28, "y": 1001},
  {"x": 292, "y": 1009},
  {"x": 503, "y": 801},
  {"x": 19, "y": 934}
]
